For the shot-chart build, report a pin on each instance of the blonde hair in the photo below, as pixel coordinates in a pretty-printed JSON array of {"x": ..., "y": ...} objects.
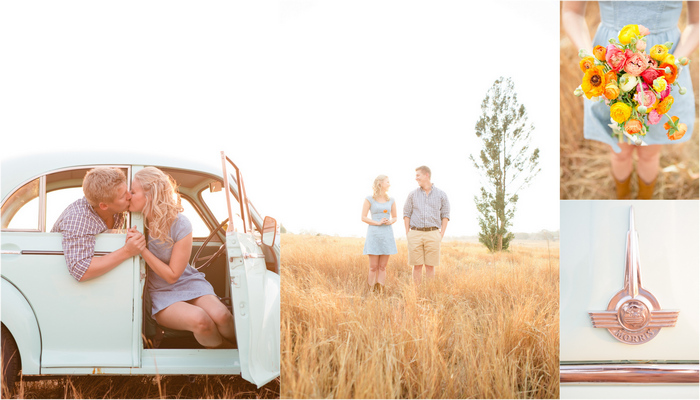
[
  {"x": 424, "y": 170},
  {"x": 162, "y": 202},
  {"x": 377, "y": 186},
  {"x": 100, "y": 184}
]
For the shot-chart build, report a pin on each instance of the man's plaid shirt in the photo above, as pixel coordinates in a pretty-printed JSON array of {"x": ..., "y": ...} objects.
[{"x": 79, "y": 223}]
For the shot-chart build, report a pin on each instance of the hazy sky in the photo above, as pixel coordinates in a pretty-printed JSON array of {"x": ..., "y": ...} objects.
[{"x": 312, "y": 99}]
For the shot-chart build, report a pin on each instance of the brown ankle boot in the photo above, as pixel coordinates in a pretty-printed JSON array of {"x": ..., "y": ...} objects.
[
  {"x": 646, "y": 190},
  {"x": 622, "y": 188}
]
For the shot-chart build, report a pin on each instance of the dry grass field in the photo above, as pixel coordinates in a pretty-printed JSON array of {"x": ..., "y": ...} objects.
[
  {"x": 487, "y": 326},
  {"x": 585, "y": 164},
  {"x": 173, "y": 387}
]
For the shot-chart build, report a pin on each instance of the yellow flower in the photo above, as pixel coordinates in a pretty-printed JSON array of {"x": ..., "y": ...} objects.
[
  {"x": 593, "y": 83},
  {"x": 659, "y": 84},
  {"x": 669, "y": 59},
  {"x": 658, "y": 52},
  {"x": 628, "y": 33},
  {"x": 620, "y": 112}
]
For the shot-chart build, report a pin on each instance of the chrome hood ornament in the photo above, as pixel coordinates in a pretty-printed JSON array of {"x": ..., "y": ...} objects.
[{"x": 634, "y": 316}]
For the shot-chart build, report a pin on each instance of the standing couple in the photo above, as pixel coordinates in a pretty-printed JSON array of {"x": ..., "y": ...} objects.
[
  {"x": 425, "y": 215},
  {"x": 181, "y": 296}
]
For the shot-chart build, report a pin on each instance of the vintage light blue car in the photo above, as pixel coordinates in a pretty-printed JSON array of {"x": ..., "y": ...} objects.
[{"x": 53, "y": 325}]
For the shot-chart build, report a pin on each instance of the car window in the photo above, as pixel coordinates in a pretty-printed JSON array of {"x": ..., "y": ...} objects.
[
  {"x": 199, "y": 227},
  {"x": 21, "y": 210},
  {"x": 57, "y": 201},
  {"x": 216, "y": 201}
]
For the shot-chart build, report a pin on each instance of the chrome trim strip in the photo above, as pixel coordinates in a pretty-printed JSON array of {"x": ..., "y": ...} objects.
[
  {"x": 53, "y": 253},
  {"x": 15, "y": 252},
  {"x": 42, "y": 203},
  {"x": 630, "y": 373},
  {"x": 253, "y": 255}
]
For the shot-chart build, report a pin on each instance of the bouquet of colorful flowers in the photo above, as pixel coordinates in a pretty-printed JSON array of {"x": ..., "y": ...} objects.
[{"x": 636, "y": 85}]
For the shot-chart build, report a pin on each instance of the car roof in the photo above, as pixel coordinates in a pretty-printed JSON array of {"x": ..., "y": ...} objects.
[{"x": 16, "y": 171}]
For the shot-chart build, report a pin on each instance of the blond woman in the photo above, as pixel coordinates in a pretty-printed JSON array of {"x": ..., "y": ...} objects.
[
  {"x": 181, "y": 296},
  {"x": 380, "y": 243}
]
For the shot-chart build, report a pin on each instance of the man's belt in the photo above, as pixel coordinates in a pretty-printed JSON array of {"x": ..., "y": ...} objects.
[{"x": 413, "y": 228}]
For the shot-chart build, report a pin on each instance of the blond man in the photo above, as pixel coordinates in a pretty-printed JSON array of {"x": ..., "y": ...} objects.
[
  {"x": 103, "y": 208},
  {"x": 425, "y": 215}
]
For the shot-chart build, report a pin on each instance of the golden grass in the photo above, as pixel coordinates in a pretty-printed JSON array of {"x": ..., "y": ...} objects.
[
  {"x": 146, "y": 387},
  {"x": 585, "y": 164},
  {"x": 487, "y": 326}
]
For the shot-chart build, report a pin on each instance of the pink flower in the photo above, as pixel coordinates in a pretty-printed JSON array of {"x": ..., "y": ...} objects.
[
  {"x": 635, "y": 63},
  {"x": 645, "y": 98},
  {"x": 649, "y": 75},
  {"x": 653, "y": 117},
  {"x": 665, "y": 92},
  {"x": 615, "y": 57},
  {"x": 641, "y": 45},
  {"x": 643, "y": 30},
  {"x": 651, "y": 63}
]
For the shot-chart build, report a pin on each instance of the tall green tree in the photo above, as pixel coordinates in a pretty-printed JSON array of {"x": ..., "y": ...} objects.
[{"x": 506, "y": 163}]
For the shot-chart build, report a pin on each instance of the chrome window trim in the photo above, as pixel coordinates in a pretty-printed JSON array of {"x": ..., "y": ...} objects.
[{"x": 629, "y": 373}]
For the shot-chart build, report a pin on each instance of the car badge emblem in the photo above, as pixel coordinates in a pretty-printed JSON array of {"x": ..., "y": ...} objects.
[{"x": 634, "y": 316}]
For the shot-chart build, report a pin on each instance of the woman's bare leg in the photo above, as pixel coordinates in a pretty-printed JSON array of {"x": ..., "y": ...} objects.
[
  {"x": 188, "y": 317},
  {"x": 373, "y": 270},
  {"x": 621, "y": 163},
  {"x": 381, "y": 272},
  {"x": 648, "y": 162},
  {"x": 218, "y": 313}
]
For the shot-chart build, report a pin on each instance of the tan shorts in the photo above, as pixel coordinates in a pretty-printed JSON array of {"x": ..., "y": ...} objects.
[{"x": 424, "y": 247}]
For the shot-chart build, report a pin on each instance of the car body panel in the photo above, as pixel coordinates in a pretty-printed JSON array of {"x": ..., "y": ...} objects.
[
  {"x": 169, "y": 362},
  {"x": 255, "y": 292},
  {"x": 18, "y": 317},
  {"x": 101, "y": 336}
]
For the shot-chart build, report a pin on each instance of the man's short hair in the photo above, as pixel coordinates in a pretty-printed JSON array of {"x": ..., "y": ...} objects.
[
  {"x": 424, "y": 170},
  {"x": 100, "y": 184}
]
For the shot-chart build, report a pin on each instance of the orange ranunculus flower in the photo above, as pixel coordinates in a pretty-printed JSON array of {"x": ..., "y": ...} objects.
[
  {"x": 634, "y": 126},
  {"x": 679, "y": 133},
  {"x": 599, "y": 52},
  {"x": 620, "y": 112},
  {"x": 673, "y": 133},
  {"x": 664, "y": 105},
  {"x": 670, "y": 78},
  {"x": 627, "y": 33},
  {"x": 668, "y": 125},
  {"x": 611, "y": 76},
  {"x": 658, "y": 52},
  {"x": 593, "y": 83},
  {"x": 611, "y": 91},
  {"x": 586, "y": 63}
]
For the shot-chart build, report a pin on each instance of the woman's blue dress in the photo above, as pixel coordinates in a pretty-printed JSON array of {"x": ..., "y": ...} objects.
[
  {"x": 661, "y": 18},
  {"x": 380, "y": 238}
]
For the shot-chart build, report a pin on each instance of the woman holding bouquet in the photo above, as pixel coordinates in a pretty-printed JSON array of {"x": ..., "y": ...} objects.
[
  {"x": 380, "y": 243},
  {"x": 661, "y": 20}
]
